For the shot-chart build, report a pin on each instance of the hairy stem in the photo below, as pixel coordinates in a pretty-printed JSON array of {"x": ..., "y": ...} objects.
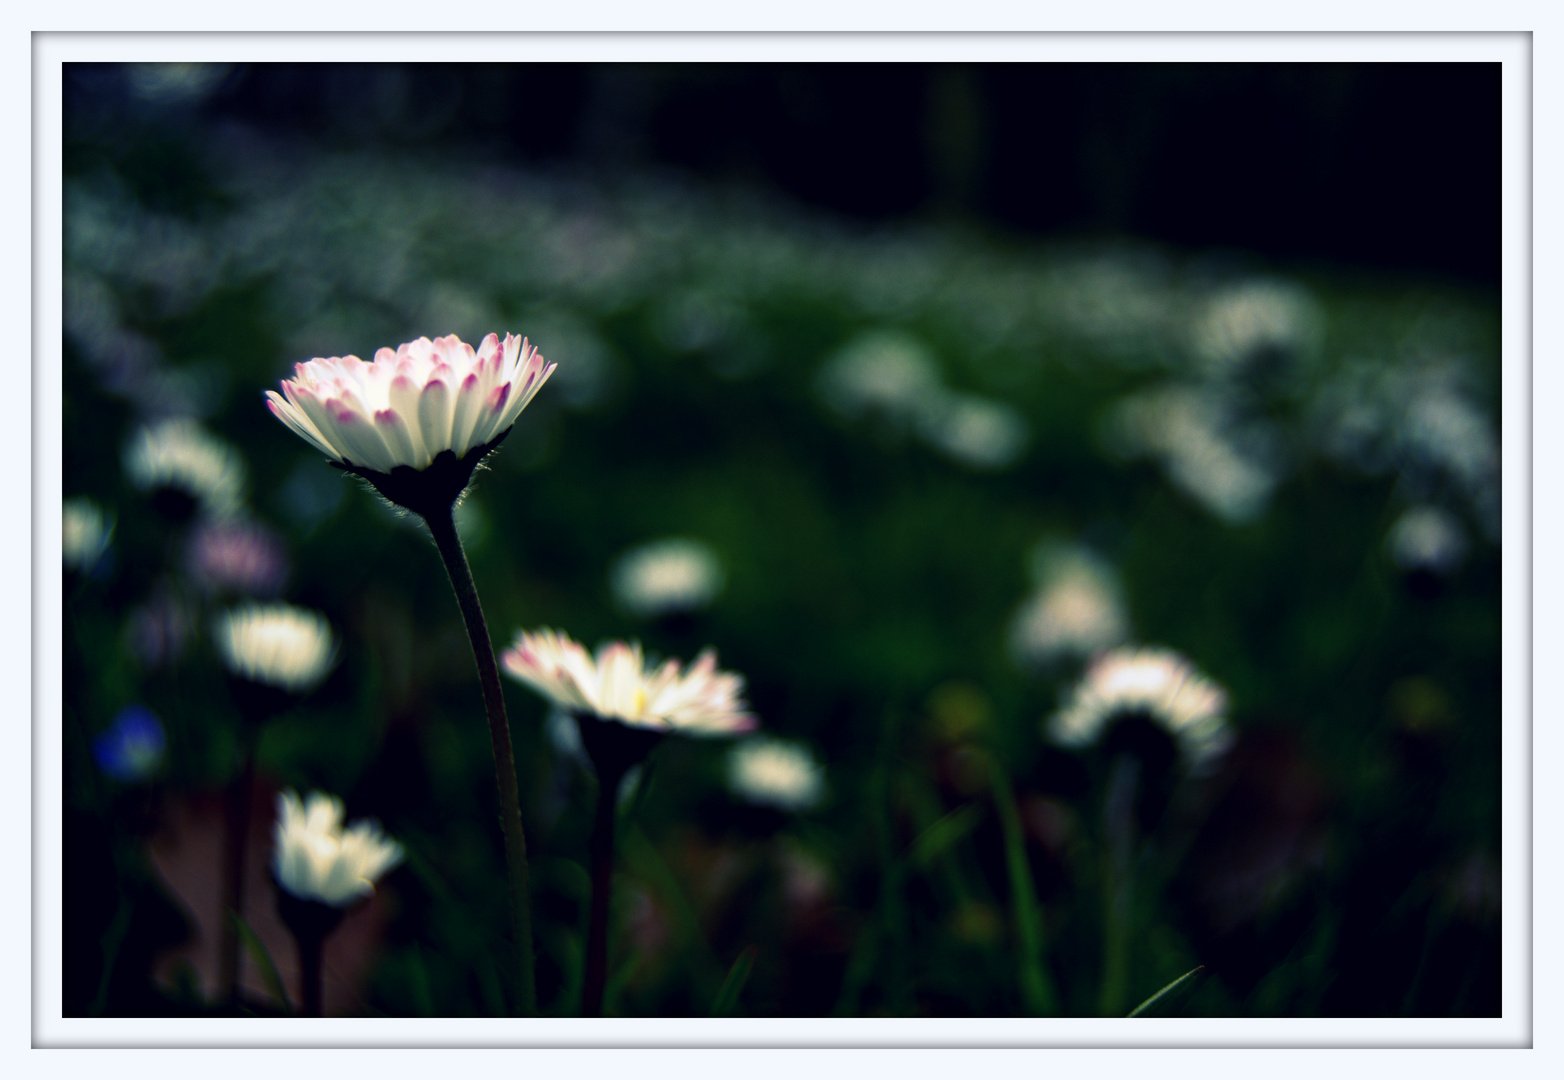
[{"x": 443, "y": 527}]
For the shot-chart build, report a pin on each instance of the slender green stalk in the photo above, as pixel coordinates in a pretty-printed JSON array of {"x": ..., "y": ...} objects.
[
  {"x": 442, "y": 526},
  {"x": 1167, "y": 991},
  {"x": 312, "y": 986},
  {"x": 1036, "y": 989},
  {"x": 602, "y": 857},
  {"x": 1118, "y": 882},
  {"x": 237, "y": 820}
]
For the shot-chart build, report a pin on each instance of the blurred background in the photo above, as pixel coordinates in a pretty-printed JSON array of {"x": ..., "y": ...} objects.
[{"x": 909, "y": 388}]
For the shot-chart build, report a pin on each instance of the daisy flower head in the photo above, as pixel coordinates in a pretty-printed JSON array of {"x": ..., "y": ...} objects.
[
  {"x": 1075, "y": 612},
  {"x": 237, "y": 556},
  {"x": 775, "y": 773},
  {"x": 1158, "y": 684},
  {"x": 186, "y": 469},
  {"x": 1427, "y": 538},
  {"x": 414, "y": 407},
  {"x": 278, "y": 645},
  {"x": 667, "y": 576},
  {"x": 316, "y": 858},
  {"x": 85, "y": 532},
  {"x": 616, "y": 684}
]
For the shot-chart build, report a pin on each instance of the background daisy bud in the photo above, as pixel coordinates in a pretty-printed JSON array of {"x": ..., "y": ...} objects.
[
  {"x": 428, "y": 407},
  {"x": 316, "y": 858},
  {"x": 85, "y": 532},
  {"x": 774, "y": 773},
  {"x": 1156, "y": 684},
  {"x": 186, "y": 470},
  {"x": 666, "y": 576},
  {"x": 276, "y": 645},
  {"x": 237, "y": 556}
]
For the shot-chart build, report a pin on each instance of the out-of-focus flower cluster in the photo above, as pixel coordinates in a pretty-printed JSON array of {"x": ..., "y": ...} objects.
[{"x": 703, "y": 267}]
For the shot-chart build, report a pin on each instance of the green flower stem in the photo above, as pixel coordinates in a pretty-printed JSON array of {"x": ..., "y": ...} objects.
[
  {"x": 1118, "y": 882},
  {"x": 602, "y": 857},
  {"x": 443, "y": 528},
  {"x": 237, "y": 820},
  {"x": 1037, "y": 990},
  {"x": 312, "y": 986}
]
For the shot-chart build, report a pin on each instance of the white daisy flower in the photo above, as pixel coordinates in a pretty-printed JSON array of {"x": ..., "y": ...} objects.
[
  {"x": 1157, "y": 683},
  {"x": 775, "y": 773},
  {"x": 666, "y": 576},
  {"x": 1427, "y": 538},
  {"x": 276, "y": 644},
  {"x": 617, "y": 686},
  {"x": 1076, "y": 610},
  {"x": 979, "y": 433},
  {"x": 1243, "y": 321},
  {"x": 411, "y": 404},
  {"x": 881, "y": 371},
  {"x": 317, "y": 859},
  {"x": 84, "y": 533},
  {"x": 178, "y": 454}
]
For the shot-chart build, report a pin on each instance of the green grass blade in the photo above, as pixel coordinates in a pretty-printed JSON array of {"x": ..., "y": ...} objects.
[
  {"x": 1036, "y": 988},
  {"x": 728, "y": 997},
  {"x": 262, "y": 959},
  {"x": 1179, "y": 984},
  {"x": 943, "y": 835}
]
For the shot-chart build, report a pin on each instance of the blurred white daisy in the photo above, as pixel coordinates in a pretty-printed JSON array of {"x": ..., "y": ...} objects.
[
  {"x": 1075, "y": 611},
  {"x": 617, "y": 686},
  {"x": 317, "y": 859},
  {"x": 882, "y": 371},
  {"x": 1228, "y": 467},
  {"x": 1427, "y": 538},
  {"x": 1156, "y": 683},
  {"x": 240, "y": 555},
  {"x": 979, "y": 433},
  {"x": 1245, "y": 321},
  {"x": 84, "y": 533},
  {"x": 180, "y": 455},
  {"x": 775, "y": 773},
  {"x": 665, "y": 576},
  {"x": 413, "y": 403},
  {"x": 276, "y": 644}
]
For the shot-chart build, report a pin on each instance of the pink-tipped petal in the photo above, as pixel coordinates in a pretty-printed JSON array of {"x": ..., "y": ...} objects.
[
  {"x": 361, "y": 443},
  {"x": 468, "y": 404},
  {"x": 434, "y": 415},
  {"x": 394, "y": 433},
  {"x": 404, "y": 396}
]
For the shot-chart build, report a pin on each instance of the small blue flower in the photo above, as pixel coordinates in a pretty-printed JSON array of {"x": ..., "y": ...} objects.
[{"x": 132, "y": 747}]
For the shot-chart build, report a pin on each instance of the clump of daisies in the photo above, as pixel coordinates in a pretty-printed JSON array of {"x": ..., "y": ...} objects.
[{"x": 415, "y": 423}]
